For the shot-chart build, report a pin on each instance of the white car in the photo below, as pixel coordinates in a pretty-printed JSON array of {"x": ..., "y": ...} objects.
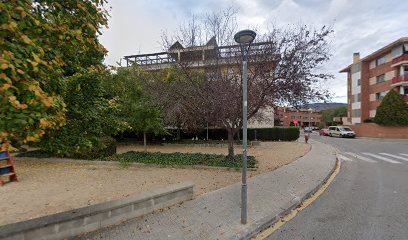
[{"x": 341, "y": 131}]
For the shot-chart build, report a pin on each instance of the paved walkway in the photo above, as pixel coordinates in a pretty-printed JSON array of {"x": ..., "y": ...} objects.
[{"x": 216, "y": 215}]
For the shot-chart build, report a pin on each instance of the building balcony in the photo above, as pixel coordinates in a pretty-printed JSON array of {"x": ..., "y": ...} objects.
[
  {"x": 399, "y": 80},
  {"x": 400, "y": 60}
]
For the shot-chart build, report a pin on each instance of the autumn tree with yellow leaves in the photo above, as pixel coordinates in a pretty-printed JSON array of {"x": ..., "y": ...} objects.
[{"x": 41, "y": 44}]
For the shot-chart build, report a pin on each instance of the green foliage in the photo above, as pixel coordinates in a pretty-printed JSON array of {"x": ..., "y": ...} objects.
[
  {"x": 263, "y": 134},
  {"x": 393, "y": 111},
  {"x": 329, "y": 114},
  {"x": 108, "y": 149},
  {"x": 274, "y": 134},
  {"x": 179, "y": 159},
  {"x": 90, "y": 117},
  {"x": 36, "y": 154},
  {"x": 40, "y": 42},
  {"x": 135, "y": 107}
]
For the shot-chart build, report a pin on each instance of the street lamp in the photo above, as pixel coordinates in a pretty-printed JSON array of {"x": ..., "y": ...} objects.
[{"x": 244, "y": 38}]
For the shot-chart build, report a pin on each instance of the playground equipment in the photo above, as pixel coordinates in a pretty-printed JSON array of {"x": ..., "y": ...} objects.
[{"x": 6, "y": 168}]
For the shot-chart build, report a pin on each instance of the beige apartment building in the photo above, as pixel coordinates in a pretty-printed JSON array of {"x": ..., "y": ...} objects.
[
  {"x": 203, "y": 57},
  {"x": 370, "y": 78}
]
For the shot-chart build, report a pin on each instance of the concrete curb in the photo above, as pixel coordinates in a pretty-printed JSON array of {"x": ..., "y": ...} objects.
[
  {"x": 260, "y": 225},
  {"x": 91, "y": 218}
]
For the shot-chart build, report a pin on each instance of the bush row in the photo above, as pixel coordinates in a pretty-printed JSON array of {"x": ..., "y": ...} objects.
[
  {"x": 263, "y": 134},
  {"x": 178, "y": 159}
]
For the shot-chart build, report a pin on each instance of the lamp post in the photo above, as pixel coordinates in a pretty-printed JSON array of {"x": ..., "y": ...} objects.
[
  {"x": 310, "y": 117},
  {"x": 244, "y": 38}
]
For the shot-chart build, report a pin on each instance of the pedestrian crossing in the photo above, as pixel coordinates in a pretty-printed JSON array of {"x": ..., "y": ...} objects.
[{"x": 394, "y": 158}]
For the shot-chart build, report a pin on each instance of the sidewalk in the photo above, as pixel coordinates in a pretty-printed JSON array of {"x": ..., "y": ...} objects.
[{"x": 216, "y": 215}]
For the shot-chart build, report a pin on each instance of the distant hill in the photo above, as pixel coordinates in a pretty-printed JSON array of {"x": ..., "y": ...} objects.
[{"x": 324, "y": 106}]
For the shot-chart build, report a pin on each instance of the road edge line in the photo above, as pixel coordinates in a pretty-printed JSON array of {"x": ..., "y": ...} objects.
[{"x": 277, "y": 222}]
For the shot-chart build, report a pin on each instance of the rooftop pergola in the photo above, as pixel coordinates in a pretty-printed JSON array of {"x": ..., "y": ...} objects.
[{"x": 201, "y": 55}]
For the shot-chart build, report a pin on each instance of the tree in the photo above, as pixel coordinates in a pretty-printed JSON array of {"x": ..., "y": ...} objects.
[
  {"x": 41, "y": 42},
  {"x": 329, "y": 114},
  {"x": 393, "y": 111},
  {"x": 136, "y": 110},
  {"x": 173, "y": 91},
  {"x": 282, "y": 69},
  {"x": 90, "y": 117}
]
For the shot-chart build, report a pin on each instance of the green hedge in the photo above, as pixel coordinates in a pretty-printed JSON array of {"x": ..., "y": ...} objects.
[
  {"x": 180, "y": 159},
  {"x": 263, "y": 134},
  {"x": 274, "y": 134}
]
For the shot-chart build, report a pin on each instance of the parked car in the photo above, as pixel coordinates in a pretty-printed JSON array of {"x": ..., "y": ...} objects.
[
  {"x": 341, "y": 131},
  {"x": 324, "y": 132}
]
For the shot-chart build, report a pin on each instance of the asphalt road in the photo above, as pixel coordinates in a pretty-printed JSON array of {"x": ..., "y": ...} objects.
[{"x": 367, "y": 200}]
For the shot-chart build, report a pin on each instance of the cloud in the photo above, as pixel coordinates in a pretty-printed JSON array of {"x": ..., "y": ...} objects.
[{"x": 359, "y": 26}]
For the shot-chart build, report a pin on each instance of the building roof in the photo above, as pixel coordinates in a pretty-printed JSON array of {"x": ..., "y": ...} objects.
[{"x": 379, "y": 52}]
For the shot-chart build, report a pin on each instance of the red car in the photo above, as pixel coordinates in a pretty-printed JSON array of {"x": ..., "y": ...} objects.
[{"x": 324, "y": 132}]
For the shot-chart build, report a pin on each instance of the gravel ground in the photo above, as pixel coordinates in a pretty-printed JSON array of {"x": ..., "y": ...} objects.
[{"x": 50, "y": 187}]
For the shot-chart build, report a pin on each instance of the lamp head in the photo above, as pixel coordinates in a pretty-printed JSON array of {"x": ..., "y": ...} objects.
[{"x": 245, "y": 36}]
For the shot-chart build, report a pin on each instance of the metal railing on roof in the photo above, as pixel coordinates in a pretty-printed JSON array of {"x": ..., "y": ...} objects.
[{"x": 196, "y": 54}]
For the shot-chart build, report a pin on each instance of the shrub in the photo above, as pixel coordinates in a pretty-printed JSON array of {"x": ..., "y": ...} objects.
[
  {"x": 274, "y": 134},
  {"x": 263, "y": 134},
  {"x": 105, "y": 148},
  {"x": 179, "y": 159},
  {"x": 89, "y": 118},
  {"x": 393, "y": 111}
]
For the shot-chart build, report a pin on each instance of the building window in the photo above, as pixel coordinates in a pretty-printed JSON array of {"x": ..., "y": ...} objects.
[
  {"x": 405, "y": 90},
  {"x": 381, "y": 78},
  {"x": 359, "y": 97},
  {"x": 380, "y": 61},
  {"x": 356, "y": 113},
  {"x": 380, "y": 95},
  {"x": 292, "y": 117},
  {"x": 358, "y": 82},
  {"x": 405, "y": 70}
]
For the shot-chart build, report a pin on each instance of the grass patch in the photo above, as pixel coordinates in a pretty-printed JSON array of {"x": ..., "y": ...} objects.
[{"x": 187, "y": 159}]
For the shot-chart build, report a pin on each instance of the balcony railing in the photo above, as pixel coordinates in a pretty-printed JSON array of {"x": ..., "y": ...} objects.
[
  {"x": 399, "y": 59},
  {"x": 399, "y": 79}
]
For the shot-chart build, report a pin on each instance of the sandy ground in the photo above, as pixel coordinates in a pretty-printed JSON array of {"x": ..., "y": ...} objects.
[{"x": 47, "y": 187}]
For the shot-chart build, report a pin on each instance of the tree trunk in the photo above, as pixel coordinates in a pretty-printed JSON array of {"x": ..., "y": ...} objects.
[
  {"x": 144, "y": 141},
  {"x": 238, "y": 137},
  {"x": 178, "y": 133},
  {"x": 230, "y": 143}
]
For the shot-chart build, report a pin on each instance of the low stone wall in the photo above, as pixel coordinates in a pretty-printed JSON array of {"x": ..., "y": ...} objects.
[
  {"x": 78, "y": 221},
  {"x": 376, "y": 131}
]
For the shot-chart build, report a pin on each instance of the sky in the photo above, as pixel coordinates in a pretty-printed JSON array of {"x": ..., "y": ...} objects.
[{"x": 136, "y": 26}]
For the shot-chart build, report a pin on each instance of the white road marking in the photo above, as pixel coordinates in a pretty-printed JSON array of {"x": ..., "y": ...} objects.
[
  {"x": 360, "y": 157},
  {"x": 404, "y": 154},
  {"x": 394, "y": 156},
  {"x": 344, "y": 158},
  {"x": 380, "y": 157}
]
